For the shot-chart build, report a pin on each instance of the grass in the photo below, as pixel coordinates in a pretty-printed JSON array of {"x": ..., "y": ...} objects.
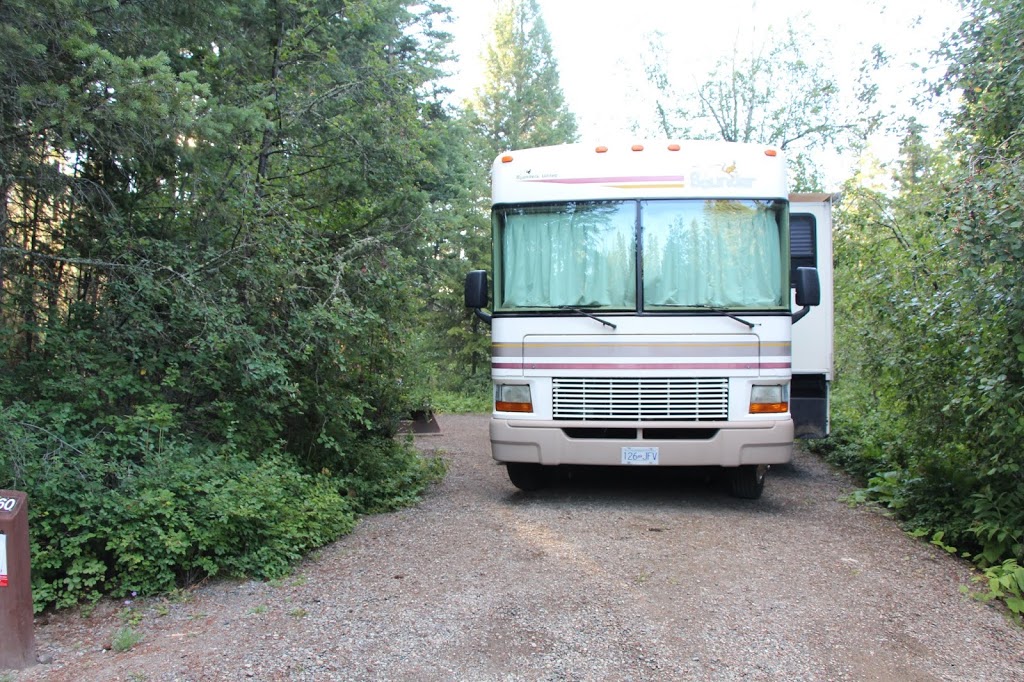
[
  {"x": 125, "y": 639},
  {"x": 472, "y": 401}
]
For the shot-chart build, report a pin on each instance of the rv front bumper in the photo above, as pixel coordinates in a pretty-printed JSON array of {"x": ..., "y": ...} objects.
[{"x": 726, "y": 444}]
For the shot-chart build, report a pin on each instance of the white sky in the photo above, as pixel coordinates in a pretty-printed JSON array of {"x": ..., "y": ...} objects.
[{"x": 598, "y": 45}]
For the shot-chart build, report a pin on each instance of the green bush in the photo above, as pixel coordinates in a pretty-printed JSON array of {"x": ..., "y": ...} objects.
[
  {"x": 148, "y": 514},
  {"x": 472, "y": 398},
  {"x": 929, "y": 313},
  {"x": 210, "y": 280}
]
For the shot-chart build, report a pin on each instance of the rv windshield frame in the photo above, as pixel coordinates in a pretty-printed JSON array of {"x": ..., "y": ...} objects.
[{"x": 623, "y": 256}]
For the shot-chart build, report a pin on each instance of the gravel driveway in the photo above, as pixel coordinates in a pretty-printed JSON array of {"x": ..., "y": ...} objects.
[{"x": 632, "y": 575}]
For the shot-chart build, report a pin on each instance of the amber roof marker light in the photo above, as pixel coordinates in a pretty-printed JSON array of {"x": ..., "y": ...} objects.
[{"x": 507, "y": 158}]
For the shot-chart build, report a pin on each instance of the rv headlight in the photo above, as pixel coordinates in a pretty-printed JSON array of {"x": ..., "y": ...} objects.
[
  {"x": 771, "y": 399},
  {"x": 512, "y": 398}
]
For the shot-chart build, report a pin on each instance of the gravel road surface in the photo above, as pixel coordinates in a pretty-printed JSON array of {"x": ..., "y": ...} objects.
[{"x": 627, "y": 575}]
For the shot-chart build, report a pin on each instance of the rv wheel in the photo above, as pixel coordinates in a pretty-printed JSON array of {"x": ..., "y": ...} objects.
[
  {"x": 748, "y": 481},
  {"x": 527, "y": 476}
]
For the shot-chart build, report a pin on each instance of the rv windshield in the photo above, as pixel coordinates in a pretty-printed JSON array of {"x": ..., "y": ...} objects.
[
  {"x": 714, "y": 254},
  {"x": 576, "y": 254},
  {"x": 694, "y": 255}
]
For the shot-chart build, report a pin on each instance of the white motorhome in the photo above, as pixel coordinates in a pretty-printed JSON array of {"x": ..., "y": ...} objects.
[{"x": 642, "y": 311}]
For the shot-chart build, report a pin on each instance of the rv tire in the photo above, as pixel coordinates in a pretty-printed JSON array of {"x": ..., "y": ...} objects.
[
  {"x": 527, "y": 476},
  {"x": 748, "y": 481}
]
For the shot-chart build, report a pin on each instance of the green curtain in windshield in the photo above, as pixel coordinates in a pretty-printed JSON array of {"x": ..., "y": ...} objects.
[
  {"x": 575, "y": 255},
  {"x": 711, "y": 253}
]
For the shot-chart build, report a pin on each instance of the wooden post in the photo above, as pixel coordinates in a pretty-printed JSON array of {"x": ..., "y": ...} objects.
[{"x": 17, "y": 636}]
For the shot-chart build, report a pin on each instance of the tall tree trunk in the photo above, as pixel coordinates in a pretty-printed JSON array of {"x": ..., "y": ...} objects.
[{"x": 269, "y": 135}]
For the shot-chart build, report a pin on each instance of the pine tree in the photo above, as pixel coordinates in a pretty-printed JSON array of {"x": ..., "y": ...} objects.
[
  {"x": 212, "y": 221},
  {"x": 521, "y": 104}
]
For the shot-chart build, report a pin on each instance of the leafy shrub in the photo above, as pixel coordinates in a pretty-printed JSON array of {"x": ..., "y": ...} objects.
[
  {"x": 474, "y": 399},
  {"x": 141, "y": 514},
  {"x": 1005, "y": 582},
  {"x": 929, "y": 308},
  {"x": 998, "y": 525}
]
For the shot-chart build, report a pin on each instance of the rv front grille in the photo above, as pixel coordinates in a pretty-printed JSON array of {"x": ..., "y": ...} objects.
[{"x": 612, "y": 399}]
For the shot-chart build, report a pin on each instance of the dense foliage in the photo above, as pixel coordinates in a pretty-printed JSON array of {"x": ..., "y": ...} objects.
[
  {"x": 212, "y": 235},
  {"x": 232, "y": 243},
  {"x": 930, "y": 313}
]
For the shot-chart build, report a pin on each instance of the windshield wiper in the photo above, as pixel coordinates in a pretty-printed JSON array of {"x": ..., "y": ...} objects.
[
  {"x": 583, "y": 312},
  {"x": 725, "y": 312}
]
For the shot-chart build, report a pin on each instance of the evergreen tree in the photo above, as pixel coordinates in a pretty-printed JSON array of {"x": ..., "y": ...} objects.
[
  {"x": 521, "y": 102},
  {"x": 212, "y": 219}
]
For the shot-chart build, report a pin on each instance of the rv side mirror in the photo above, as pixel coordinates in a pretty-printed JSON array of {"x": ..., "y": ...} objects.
[
  {"x": 808, "y": 291},
  {"x": 476, "y": 293},
  {"x": 476, "y": 289},
  {"x": 808, "y": 288}
]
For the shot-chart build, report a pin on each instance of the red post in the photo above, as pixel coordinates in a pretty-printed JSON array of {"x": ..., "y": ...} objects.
[{"x": 17, "y": 637}]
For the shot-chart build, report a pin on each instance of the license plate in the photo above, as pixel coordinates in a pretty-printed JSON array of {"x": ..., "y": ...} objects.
[{"x": 639, "y": 455}]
